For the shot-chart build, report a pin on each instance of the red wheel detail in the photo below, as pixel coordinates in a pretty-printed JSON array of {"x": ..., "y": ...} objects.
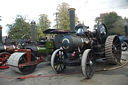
[{"x": 3, "y": 60}]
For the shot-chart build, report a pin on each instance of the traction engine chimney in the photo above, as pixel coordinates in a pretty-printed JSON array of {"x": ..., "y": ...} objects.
[
  {"x": 72, "y": 19},
  {"x": 33, "y": 31}
]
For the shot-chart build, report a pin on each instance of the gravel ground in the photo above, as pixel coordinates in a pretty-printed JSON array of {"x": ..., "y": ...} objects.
[{"x": 113, "y": 77}]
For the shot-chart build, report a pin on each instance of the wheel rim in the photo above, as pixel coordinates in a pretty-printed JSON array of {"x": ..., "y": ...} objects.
[
  {"x": 57, "y": 61},
  {"x": 88, "y": 63},
  {"x": 3, "y": 60},
  {"x": 26, "y": 69}
]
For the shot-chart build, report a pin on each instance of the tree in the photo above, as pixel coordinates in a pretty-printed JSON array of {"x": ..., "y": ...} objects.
[
  {"x": 44, "y": 23},
  {"x": 62, "y": 17},
  {"x": 112, "y": 21},
  {"x": 19, "y": 28},
  {"x": 118, "y": 28}
]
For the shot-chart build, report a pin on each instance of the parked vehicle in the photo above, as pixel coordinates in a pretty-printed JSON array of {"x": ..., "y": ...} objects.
[{"x": 83, "y": 47}]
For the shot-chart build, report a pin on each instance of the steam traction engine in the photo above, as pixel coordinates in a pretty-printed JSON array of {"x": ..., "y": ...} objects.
[{"x": 81, "y": 46}]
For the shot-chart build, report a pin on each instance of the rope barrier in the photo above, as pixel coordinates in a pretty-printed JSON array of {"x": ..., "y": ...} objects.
[{"x": 36, "y": 76}]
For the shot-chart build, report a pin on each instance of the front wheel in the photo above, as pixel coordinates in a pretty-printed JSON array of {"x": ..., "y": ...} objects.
[
  {"x": 57, "y": 60},
  {"x": 88, "y": 63}
]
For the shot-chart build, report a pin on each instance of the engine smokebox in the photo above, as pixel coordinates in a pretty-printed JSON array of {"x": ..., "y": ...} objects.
[{"x": 33, "y": 31}]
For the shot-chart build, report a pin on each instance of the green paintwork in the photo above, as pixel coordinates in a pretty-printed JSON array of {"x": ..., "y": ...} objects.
[
  {"x": 48, "y": 49},
  {"x": 49, "y": 44},
  {"x": 41, "y": 50}
]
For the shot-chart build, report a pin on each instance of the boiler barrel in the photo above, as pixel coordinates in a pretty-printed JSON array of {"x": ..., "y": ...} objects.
[
  {"x": 70, "y": 43},
  {"x": 41, "y": 50},
  {"x": 10, "y": 48}
]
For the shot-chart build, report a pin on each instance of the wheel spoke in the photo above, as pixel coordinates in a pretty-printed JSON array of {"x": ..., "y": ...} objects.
[
  {"x": 90, "y": 63},
  {"x": 117, "y": 45},
  {"x": 24, "y": 60},
  {"x": 90, "y": 70},
  {"x": 56, "y": 67},
  {"x": 59, "y": 67},
  {"x": 115, "y": 41},
  {"x": 3, "y": 57},
  {"x": 87, "y": 70}
]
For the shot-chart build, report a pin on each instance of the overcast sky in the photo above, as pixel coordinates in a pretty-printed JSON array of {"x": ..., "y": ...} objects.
[{"x": 87, "y": 10}]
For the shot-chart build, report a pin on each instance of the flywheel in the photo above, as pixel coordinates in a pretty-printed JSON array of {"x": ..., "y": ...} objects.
[
  {"x": 101, "y": 33},
  {"x": 113, "y": 49}
]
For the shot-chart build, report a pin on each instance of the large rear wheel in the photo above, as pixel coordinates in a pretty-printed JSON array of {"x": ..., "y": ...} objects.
[{"x": 113, "y": 49}]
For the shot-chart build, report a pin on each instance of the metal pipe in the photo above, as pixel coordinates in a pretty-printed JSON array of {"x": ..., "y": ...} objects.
[
  {"x": 33, "y": 31},
  {"x": 72, "y": 19}
]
